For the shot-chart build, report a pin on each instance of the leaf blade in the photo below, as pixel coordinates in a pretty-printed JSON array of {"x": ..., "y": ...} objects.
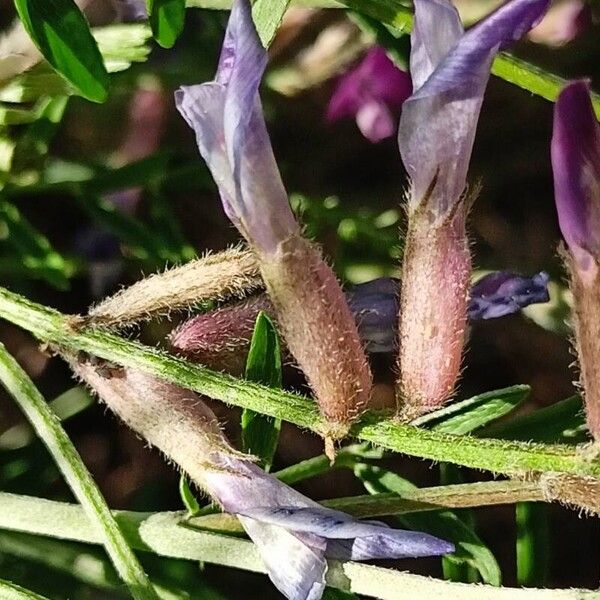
[
  {"x": 167, "y": 18},
  {"x": 260, "y": 433},
  {"x": 62, "y": 34}
]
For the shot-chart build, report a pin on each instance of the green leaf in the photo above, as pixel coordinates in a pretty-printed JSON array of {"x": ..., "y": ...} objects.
[
  {"x": 533, "y": 543},
  {"x": 563, "y": 422},
  {"x": 10, "y": 591},
  {"x": 260, "y": 434},
  {"x": 453, "y": 570},
  {"x": 61, "y": 33},
  {"x": 67, "y": 405},
  {"x": 267, "y": 16},
  {"x": 35, "y": 251},
  {"x": 120, "y": 45},
  {"x": 470, "y": 550},
  {"x": 466, "y": 416},
  {"x": 167, "y": 18},
  {"x": 187, "y": 496}
]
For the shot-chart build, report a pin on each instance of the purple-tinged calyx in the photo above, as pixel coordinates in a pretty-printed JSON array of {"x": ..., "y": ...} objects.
[
  {"x": 294, "y": 535},
  {"x": 450, "y": 70},
  {"x": 314, "y": 318},
  {"x": 220, "y": 339},
  {"x": 576, "y": 165},
  {"x": 372, "y": 93}
]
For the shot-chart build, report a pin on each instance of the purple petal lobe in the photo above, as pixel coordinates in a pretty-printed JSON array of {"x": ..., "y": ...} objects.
[
  {"x": 349, "y": 538},
  {"x": 232, "y": 136},
  {"x": 295, "y": 568},
  {"x": 576, "y": 166},
  {"x": 375, "y": 308},
  {"x": 503, "y": 293},
  {"x": 375, "y": 121},
  {"x": 438, "y": 122},
  {"x": 396, "y": 543}
]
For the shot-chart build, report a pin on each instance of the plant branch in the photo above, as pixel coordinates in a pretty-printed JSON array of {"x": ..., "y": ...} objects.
[
  {"x": 165, "y": 534},
  {"x": 499, "y": 456}
]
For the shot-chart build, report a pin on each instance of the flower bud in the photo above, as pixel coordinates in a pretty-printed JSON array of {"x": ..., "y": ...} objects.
[
  {"x": 450, "y": 70},
  {"x": 576, "y": 166}
]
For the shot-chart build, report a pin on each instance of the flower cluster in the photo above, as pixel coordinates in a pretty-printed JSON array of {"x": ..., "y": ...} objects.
[{"x": 294, "y": 535}]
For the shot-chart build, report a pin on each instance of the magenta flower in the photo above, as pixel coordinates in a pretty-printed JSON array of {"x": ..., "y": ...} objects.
[
  {"x": 450, "y": 70},
  {"x": 232, "y": 137},
  {"x": 294, "y": 535},
  {"x": 576, "y": 164},
  {"x": 372, "y": 93}
]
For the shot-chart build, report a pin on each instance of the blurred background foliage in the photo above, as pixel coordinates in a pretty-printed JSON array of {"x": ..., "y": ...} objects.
[{"x": 95, "y": 195}]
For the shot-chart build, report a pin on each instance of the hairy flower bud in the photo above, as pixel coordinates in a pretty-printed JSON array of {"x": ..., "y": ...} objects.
[
  {"x": 450, "y": 70},
  {"x": 233, "y": 272},
  {"x": 576, "y": 166}
]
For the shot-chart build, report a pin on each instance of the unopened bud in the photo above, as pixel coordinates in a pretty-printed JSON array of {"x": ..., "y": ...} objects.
[{"x": 231, "y": 273}]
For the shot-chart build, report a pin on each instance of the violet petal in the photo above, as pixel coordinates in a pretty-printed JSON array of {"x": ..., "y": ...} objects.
[
  {"x": 297, "y": 569},
  {"x": 232, "y": 137},
  {"x": 576, "y": 166},
  {"x": 450, "y": 74},
  {"x": 352, "y": 539},
  {"x": 503, "y": 293}
]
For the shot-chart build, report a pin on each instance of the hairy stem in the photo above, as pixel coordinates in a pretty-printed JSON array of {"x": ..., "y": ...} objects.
[
  {"x": 493, "y": 455},
  {"x": 48, "y": 428}
]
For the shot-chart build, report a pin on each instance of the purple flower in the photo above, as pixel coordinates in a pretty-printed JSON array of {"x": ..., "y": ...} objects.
[
  {"x": 372, "y": 93},
  {"x": 576, "y": 166},
  {"x": 294, "y": 535},
  {"x": 232, "y": 137},
  {"x": 450, "y": 70},
  {"x": 503, "y": 293},
  {"x": 314, "y": 318},
  {"x": 220, "y": 339}
]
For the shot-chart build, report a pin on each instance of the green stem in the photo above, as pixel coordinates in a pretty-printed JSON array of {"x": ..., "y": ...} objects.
[
  {"x": 48, "y": 428},
  {"x": 499, "y": 456},
  {"x": 10, "y": 591},
  {"x": 533, "y": 543},
  {"x": 165, "y": 534},
  {"x": 393, "y": 13}
]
